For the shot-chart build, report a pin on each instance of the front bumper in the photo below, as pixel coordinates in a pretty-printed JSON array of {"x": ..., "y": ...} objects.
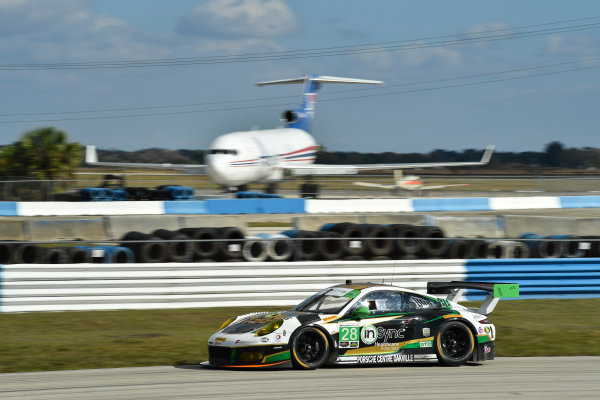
[{"x": 249, "y": 357}]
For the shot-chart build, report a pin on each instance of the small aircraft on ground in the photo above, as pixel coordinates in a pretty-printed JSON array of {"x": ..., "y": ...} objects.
[
  {"x": 411, "y": 183},
  {"x": 237, "y": 159}
]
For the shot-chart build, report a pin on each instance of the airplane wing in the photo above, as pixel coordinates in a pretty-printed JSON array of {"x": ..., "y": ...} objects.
[
  {"x": 91, "y": 158},
  {"x": 443, "y": 186},
  {"x": 336, "y": 169},
  {"x": 376, "y": 185},
  {"x": 391, "y": 187}
]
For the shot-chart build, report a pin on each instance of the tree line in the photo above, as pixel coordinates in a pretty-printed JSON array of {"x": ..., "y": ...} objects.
[{"x": 46, "y": 153}]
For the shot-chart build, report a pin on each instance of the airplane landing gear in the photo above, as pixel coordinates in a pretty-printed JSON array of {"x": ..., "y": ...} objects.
[
  {"x": 271, "y": 188},
  {"x": 309, "y": 190}
]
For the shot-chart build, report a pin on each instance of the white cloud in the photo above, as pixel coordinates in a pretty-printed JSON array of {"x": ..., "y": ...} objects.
[
  {"x": 432, "y": 56},
  {"x": 239, "y": 19},
  {"x": 67, "y": 30},
  {"x": 494, "y": 28},
  {"x": 572, "y": 45}
]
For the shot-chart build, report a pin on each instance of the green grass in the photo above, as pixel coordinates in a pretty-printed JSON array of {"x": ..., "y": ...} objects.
[{"x": 103, "y": 339}]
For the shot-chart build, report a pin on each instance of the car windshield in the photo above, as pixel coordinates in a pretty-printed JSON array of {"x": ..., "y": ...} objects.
[{"x": 327, "y": 301}]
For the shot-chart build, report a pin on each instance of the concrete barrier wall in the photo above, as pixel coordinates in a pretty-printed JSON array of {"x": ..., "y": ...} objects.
[
  {"x": 297, "y": 206},
  {"x": 114, "y": 227},
  {"x": 26, "y": 288}
]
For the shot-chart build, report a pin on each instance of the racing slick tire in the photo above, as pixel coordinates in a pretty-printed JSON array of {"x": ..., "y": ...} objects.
[
  {"x": 309, "y": 348},
  {"x": 454, "y": 344}
]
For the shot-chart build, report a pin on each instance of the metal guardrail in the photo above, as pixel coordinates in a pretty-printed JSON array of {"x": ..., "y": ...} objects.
[
  {"x": 27, "y": 288},
  {"x": 151, "y": 286}
]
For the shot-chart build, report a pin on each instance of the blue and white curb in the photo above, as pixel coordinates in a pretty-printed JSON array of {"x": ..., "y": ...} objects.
[{"x": 296, "y": 206}]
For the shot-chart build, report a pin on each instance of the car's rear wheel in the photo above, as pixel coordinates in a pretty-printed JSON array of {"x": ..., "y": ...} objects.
[
  {"x": 309, "y": 348},
  {"x": 454, "y": 343}
]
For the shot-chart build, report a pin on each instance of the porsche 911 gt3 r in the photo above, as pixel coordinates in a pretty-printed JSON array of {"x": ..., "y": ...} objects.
[{"x": 364, "y": 324}]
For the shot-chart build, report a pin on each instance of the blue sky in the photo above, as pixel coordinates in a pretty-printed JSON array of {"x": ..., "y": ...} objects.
[{"x": 422, "y": 106}]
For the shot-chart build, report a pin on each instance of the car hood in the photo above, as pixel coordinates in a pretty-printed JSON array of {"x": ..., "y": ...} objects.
[{"x": 256, "y": 321}]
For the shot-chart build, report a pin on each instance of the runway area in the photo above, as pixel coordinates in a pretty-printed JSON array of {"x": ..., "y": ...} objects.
[{"x": 504, "y": 378}]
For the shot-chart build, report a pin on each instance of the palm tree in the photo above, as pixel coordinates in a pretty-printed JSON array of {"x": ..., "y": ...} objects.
[{"x": 42, "y": 153}]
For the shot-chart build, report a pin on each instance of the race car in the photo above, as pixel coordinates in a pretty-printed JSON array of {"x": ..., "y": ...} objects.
[{"x": 364, "y": 323}]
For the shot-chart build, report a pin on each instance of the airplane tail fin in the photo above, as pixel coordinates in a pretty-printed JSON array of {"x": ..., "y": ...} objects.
[{"x": 301, "y": 118}]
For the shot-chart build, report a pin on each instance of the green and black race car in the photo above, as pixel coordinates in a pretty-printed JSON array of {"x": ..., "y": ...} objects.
[{"x": 364, "y": 324}]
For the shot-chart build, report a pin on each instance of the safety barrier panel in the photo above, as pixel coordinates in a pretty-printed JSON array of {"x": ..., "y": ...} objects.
[
  {"x": 542, "y": 278},
  {"x": 150, "y": 286},
  {"x": 298, "y": 206},
  {"x": 25, "y": 288}
]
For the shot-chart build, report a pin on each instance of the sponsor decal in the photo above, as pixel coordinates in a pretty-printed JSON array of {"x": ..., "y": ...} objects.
[
  {"x": 480, "y": 330},
  {"x": 428, "y": 343},
  {"x": 349, "y": 335},
  {"x": 426, "y": 332},
  {"x": 278, "y": 337},
  {"x": 264, "y": 339},
  {"x": 385, "y": 358},
  {"x": 221, "y": 339},
  {"x": 368, "y": 334},
  {"x": 487, "y": 349},
  {"x": 488, "y": 329},
  {"x": 237, "y": 341}
]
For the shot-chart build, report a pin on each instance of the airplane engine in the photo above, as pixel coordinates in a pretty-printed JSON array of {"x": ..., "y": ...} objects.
[{"x": 289, "y": 116}]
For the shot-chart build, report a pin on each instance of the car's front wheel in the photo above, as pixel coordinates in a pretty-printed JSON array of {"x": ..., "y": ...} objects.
[
  {"x": 454, "y": 343},
  {"x": 309, "y": 348}
]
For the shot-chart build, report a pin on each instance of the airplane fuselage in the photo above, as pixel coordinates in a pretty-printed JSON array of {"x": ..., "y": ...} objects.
[{"x": 239, "y": 158}]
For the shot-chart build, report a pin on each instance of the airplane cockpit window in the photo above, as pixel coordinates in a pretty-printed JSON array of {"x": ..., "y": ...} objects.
[{"x": 223, "y": 151}]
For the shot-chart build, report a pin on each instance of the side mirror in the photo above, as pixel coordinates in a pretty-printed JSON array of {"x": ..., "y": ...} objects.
[{"x": 360, "y": 312}]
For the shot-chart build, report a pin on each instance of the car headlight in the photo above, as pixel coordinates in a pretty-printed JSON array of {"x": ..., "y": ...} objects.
[
  {"x": 226, "y": 323},
  {"x": 273, "y": 326}
]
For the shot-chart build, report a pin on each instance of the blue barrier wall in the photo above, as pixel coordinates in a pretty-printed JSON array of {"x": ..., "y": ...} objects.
[
  {"x": 568, "y": 278},
  {"x": 255, "y": 206},
  {"x": 8, "y": 208},
  {"x": 297, "y": 206},
  {"x": 462, "y": 204},
  {"x": 579, "y": 201},
  {"x": 186, "y": 207}
]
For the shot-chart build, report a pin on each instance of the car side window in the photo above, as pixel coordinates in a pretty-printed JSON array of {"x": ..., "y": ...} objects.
[
  {"x": 415, "y": 302},
  {"x": 382, "y": 302}
]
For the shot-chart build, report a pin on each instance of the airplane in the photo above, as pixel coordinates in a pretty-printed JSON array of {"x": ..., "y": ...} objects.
[
  {"x": 409, "y": 183},
  {"x": 265, "y": 156}
]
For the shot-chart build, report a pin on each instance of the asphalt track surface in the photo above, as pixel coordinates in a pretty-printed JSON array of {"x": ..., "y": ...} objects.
[{"x": 504, "y": 378}]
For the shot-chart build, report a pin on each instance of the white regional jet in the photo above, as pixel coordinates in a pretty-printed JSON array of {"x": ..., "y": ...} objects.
[{"x": 265, "y": 156}]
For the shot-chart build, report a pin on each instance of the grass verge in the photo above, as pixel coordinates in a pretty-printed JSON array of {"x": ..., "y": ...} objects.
[{"x": 108, "y": 339}]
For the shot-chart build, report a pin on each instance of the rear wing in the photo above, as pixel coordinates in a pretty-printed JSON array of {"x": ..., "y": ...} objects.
[{"x": 456, "y": 289}]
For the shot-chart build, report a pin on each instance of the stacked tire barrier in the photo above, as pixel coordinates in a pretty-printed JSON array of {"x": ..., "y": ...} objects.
[{"x": 333, "y": 242}]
